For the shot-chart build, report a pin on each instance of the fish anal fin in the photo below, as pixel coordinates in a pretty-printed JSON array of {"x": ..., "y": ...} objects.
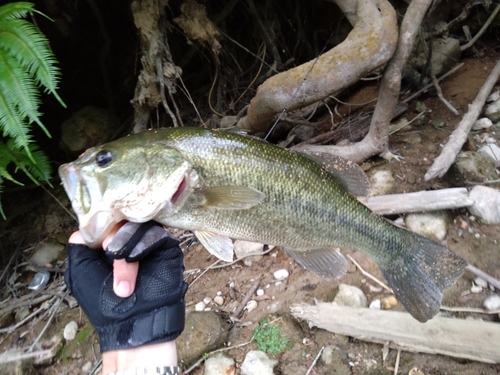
[
  {"x": 328, "y": 263},
  {"x": 347, "y": 173},
  {"x": 232, "y": 197},
  {"x": 216, "y": 244}
]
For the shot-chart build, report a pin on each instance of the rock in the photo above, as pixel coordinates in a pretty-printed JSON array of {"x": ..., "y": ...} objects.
[
  {"x": 203, "y": 333},
  {"x": 200, "y": 306},
  {"x": 48, "y": 252},
  {"x": 382, "y": 182},
  {"x": 433, "y": 225},
  {"x": 257, "y": 363},
  {"x": 327, "y": 355},
  {"x": 494, "y": 96},
  {"x": 244, "y": 248},
  {"x": 87, "y": 367},
  {"x": 251, "y": 305},
  {"x": 22, "y": 313},
  {"x": 486, "y": 204},
  {"x": 217, "y": 365},
  {"x": 207, "y": 301},
  {"x": 445, "y": 54},
  {"x": 86, "y": 128},
  {"x": 388, "y": 302},
  {"x": 302, "y": 133},
  {"x": 349, "y": 295},
  {"x": 493, "y": 111},
  {"x": 471, "y": 167},
  {"x": 482, "y": 123},
  {"x": 260, "y": 292},
  {"x": 281, "y": 274},
  {"x": 480, "y": 282},
  {"x": 70, "y": 330},
  {"x": 492, "y": 151},
  {"x": 6, "y": 320},
  {"x": 420, "y": 107},
  {"x": 438, "y": 122},
  {"x": 375, "y": 304},
  {"x": 18, "y": 368},
  {"x": 492, "y": 302},
  {"x": 219, "y": 300}
]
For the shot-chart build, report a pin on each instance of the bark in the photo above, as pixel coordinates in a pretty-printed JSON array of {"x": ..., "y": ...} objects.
[
  {"x": 368, "y": 47},
  {"x": 377, "y": 139}
]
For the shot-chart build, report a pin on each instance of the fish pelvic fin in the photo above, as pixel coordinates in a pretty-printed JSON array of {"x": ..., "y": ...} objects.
[
  {"x": 217, "y": 244},
  {"x": 419, "y": 279},
  {"x": 328, "y": 263}
]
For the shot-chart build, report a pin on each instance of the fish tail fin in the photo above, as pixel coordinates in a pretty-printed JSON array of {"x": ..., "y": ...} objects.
[{"x": 419, "y": 278}]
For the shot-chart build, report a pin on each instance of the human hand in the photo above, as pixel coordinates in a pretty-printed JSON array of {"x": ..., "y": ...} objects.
[{"x": 154, "y": 312}]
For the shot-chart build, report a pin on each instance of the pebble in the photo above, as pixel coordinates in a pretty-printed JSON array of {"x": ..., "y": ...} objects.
[
  {"x": 382, "y": 182},
  {"x": 260, "y": 292},
  {"x": 327, "y": 355},
  {"x": 87, "y": 367},
  {"x": 476, "y": 289},
  {"x": 493, "y": 111},
  {"x": 22, "y": 313},
  {"x": 375, "y": 304},
  {"x": 281, "y": 274},
  {"x": 70, "y": 330},
  {"x": 492, "y": 151},
  {"x": 251, "y": 305},
  {"x": 219, "y": 300},
  {"x": 207, "y": 301},
  {"x": 47, "y": 253},
  {"x": 481, "y": 282},
  {"x": 486, "y": 204},
  {"x": 244, "y": 248},
  {"x": 257, "y": 362},
  {"x": 433, "y": 225},
  {"x": 388, "y": 302},
  {"x": 349, "y": 295},
  {"x": 482, "y": 123},
  {"x": 492, "y": 302},
  {"x": 217, "y": 365},
  {"x": 200, "y": 306}
]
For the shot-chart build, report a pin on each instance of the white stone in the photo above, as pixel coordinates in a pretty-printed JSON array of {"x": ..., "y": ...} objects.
[
  {"x": 87, "y": 367},
  {"x": 492, "y": 302},
  {"x": 476, "y": 289},
  {"x": 480, "y": 282},
  {"x": 207, "y": 300},
  {"x": 349, "y": 295},
  {"x": 493, "y": 96},
  {"x": 260, "y": 292},
  {"x": 486, "y": 204},
  {"x": 281, "y": 274},
  {"x": 219, "y": 300},
  {"x": 433, "y": 225},
  {"x": 375, "y": 304},
  {"x": 257, "y": 363},
  {"x": 327, "y": 355},
  {"x": 217, "y": 365},
  {"x": 47, "y": 253},
  {"x": 70, "y": 330},
  {"x": 382, "y": 182},
  {"x": 492, "y": 151},
  {"x": 251, "y": 305},
  {"x": 244, "y": 248},
  {"x": 200, "y": 306},
  {"x": 493, "y": 111},
  {"x": 482, "y": 123}
]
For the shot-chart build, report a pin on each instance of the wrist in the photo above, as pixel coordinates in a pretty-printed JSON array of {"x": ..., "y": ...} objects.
[{"x": 153, "y": 355}]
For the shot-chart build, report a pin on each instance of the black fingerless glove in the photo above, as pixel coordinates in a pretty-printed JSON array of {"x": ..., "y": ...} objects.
[{"x": 154, "y": 313}]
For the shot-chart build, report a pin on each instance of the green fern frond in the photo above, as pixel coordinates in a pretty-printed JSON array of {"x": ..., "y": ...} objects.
[
  {"x": 27, "y": 45},
  {"x": 16, "y": 10},
  {"x": 37, "y": 170}
]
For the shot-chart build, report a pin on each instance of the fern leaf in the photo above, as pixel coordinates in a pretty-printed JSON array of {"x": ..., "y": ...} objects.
[
  {"x": 36, "y": 165},
  {"x": 16, "y": 10},
  {"x": 13, "y": 124},
  {"x": 20, "y": 90},
  {"x": 25, "y": 43}
]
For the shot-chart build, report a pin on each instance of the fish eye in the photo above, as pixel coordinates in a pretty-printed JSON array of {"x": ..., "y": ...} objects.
[{"x": 103, "y": 158}]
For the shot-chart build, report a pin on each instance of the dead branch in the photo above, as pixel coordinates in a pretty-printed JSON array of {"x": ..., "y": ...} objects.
[
  {"x": 482, "y": 30},
  {"x": 472, "y": 339},
  {"x": 420, "y": 201},
  {"x": 336, "y": 69},
  {"x": 247, "y": 298},
  {"x": 377, "y": 140},
  {"x": 450, "y": 151}
]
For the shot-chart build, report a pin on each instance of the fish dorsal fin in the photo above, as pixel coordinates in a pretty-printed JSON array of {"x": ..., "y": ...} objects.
[
  {"x": 216, "y": 244},
  {"x": 232, "y": 197},
  {"x": 328, "y": 263},
  {"x": 348, "y": 174}
]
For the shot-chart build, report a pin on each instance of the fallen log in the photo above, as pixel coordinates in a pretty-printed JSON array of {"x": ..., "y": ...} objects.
[
  {"x": 470, "y": 339},
  {"x": 420, "y": 201}
]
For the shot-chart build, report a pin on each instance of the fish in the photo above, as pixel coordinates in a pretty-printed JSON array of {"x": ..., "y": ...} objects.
[{"x": 225, "y": 186}]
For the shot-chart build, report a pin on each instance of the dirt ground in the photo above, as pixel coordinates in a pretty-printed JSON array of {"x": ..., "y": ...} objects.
[{"x": 355, "y": 357}]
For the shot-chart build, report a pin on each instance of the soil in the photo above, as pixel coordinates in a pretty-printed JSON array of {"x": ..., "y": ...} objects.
[{"x": 478, "y": 244}]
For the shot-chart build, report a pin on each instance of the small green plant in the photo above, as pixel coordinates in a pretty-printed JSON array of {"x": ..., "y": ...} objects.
[
  {"x": 26, "y": 64},
  {"x": 269, "y": 338}
]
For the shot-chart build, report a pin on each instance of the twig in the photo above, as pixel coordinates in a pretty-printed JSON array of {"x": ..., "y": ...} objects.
[
  {"x": 369, "y": 275},
  {"x": 440, "y": 94},
  {"x": 24, "y": 321},
  {"x": 159, "y": 73},
  {"x": 483, "y": 275},
  {"x": 54, "y": 310},
  {"x": 204, "y": 272},
  {"x": 24, "y": 300},
  {"x": 483, "y": 29},
  {"x": 315, "y": 360},
  {"x": 247, "y": 298},
  {"x": 14, "y": 356},
  {"x": 396, "y": 366},
  {"x": 450, "y": 151},
  {"x": 408, "y": 123},
  {"x": 469, "y": 310}
]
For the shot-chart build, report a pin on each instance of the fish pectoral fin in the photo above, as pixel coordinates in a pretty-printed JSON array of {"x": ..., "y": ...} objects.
[
  {"x": 216, "y": 244},
  {"x": 347, "y": 173},
  {"x": 232, "y": 197},
  {"x": 328, "y": 263}
]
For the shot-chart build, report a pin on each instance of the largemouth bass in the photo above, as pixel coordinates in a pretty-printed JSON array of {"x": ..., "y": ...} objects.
[{"x": 223, "y": 185}]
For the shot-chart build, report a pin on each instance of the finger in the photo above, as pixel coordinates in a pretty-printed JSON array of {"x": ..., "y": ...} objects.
[
  {"x": 110, "y": 236},
  {"x": 124, "y": 277},
  {"x": 76, "y": 238}
]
